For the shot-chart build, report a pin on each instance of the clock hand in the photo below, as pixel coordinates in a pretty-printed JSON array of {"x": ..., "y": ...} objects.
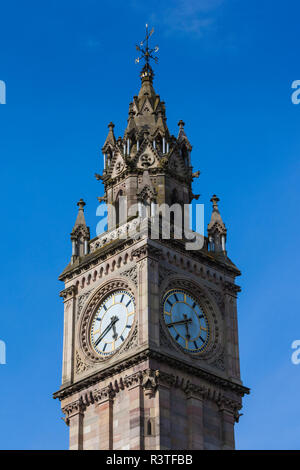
[
  {"x": 115, "y": 334},
  {"x": 112, "y": 323},
  {"x": 180, "y": 322},
  {"x": 187, "y": 327}
]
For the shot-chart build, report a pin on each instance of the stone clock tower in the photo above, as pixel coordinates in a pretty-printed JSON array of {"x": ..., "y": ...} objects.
[{"x": 151, "y": 354}]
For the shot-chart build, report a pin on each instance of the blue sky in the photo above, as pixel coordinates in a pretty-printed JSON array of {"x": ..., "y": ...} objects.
[{"x": 226, "y": 69}]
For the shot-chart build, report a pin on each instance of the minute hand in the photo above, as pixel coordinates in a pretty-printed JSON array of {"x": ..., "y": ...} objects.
[{"x": 180, "y": 322}]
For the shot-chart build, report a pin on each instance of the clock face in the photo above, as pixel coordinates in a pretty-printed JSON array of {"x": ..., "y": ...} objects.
[
  {"x": 112, "y": 323},
  {"x": 186, "y": 321}
]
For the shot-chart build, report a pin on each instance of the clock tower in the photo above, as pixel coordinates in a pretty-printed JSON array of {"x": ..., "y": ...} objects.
[{"x": 150, "y": 353}]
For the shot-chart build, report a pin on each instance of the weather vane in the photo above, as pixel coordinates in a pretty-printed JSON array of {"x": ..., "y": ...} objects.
[{"x": 143, "y": 47}]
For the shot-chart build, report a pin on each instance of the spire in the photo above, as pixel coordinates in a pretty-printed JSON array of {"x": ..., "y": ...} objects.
[
  {"x": 80, "y": 220},
  {"x": 147, "y": 73},
  {"x": 80, "y": 234},
  {"x": 110, "y": 139},
  {"x": 216, "y": 228},
  {"x": 146, "y": 145}
]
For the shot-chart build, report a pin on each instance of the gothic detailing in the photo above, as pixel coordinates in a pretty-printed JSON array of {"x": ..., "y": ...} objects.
[{"x": 150, "y": 380}]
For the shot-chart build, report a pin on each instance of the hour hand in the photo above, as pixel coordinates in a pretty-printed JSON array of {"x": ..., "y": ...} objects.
[
  {"x": 115, "y": 334},
  {"x": 112, "y": 324}
]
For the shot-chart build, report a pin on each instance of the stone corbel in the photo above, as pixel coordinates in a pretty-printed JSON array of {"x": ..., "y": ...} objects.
[
  {"x": 104, "y": 394},
  {"x": 72, "y": 409},
  {"x": 231, "y": 407},
  {"x": 147, "y": 251},
  {"x": 149, "y": 382},
  {"x": 133, "y": 380},
  {"x": 231, "y": 289},
  {"x": 68, "y": 293}
]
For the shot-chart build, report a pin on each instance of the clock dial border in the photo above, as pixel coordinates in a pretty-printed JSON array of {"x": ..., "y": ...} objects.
[
  {"x": 88, "y": 313},
  {"x": 191, "y": 352},
  {"x": 114, "y": 345}
]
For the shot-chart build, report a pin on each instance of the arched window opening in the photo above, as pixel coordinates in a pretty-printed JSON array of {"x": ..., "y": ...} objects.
[{"x": 149, "y": 428}]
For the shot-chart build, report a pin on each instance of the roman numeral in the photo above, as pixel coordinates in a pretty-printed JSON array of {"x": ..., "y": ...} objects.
[
  {"x": 176, "y": 297},
  {"x": 194, "y": 305},
  {"x": 122, "y": 338},
  {"x": 105, "y": 308},
  {"x": 201, "y": 316},
  {"x": 128, "y": 303},
  {"x": 122, "y": 298},
  {"x": 196, "y": 346},
  {"x": 170, "y": 303},
  {"x": 128, "y": 326},
  {"x": 177, "y": 337},
  {"x": 104, "y": 347},
  {"x": 203, "y": 340}
]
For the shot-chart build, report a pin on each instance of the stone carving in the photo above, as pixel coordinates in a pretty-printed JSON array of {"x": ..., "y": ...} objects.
[
  {"x": 230, "y": 406},
  {"x": 81, "y": 366},
  {"x": 164, "y": 273},
  {"x": 219, "y": 298},
  {"x": 219, "y": 362},
  {"x": 80, "y": 303},
  {"x": 231, "y": 289},
  {"x": 134, "y": 379},
  {"x": 106, "y": 393},
  {"x": 213, "y": 381},
  {"x": 131, "y": 274},
  {"x": 148, "y": 251},
  {"x": 68, "y": 293},
  {"x": 146, "y": 160},
  {"x": 149, "y": 382},
  {"x": 73, "y": 409},
  {"x": 121, "y": 232}
]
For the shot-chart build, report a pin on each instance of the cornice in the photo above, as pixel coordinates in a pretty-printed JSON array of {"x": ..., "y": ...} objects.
[
  {"x": 151, "y": 380},
  {"x": 222, "y": 383},
  {"x": 93, "y": 258}
]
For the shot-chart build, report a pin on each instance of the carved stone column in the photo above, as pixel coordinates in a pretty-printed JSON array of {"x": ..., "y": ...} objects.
[
  {"x": 104, "y": 409},
  {"x": 230, "y": 304},
  {"x": 69, "y": 297},
  {"x": 74, "y": 418},
  {"x": 136, "y": 411},
  {"x": 195, "y": 420},
  {"x": 165, "y": 383},
  {"x": 228, "y": 418},
  {"x": 151, "y": 410}
]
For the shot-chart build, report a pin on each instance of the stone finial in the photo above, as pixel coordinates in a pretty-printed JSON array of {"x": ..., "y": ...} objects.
[
  {"x": 216, "y": 229},
  {"x": 215, "y": 201},
  {"x": 81, "y": 204},
  {"x": 181, "y": 124},
  {"x": 80, "y": 234},
  {"x": 110, "y": 139}
]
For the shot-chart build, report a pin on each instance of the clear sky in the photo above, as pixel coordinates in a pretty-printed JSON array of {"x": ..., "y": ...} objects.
[{"x": 226, "y": 69}]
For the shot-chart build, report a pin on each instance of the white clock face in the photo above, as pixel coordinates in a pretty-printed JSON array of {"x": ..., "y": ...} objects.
[
  {"x": 112, "y": 323},
  {"x": 186, "y": 321}
]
